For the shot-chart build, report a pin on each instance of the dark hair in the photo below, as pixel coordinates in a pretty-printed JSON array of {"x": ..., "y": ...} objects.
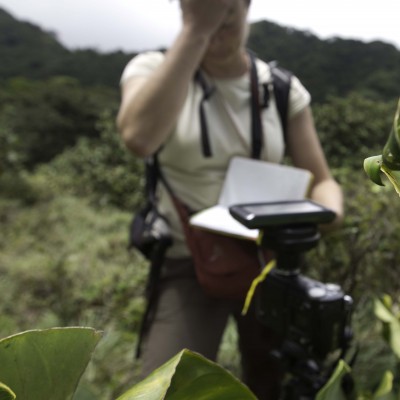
[{"x": 247, "y": 1}]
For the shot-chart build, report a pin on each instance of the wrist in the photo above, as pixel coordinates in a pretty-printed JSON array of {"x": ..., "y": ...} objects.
[{"x": 196, "y": 35}]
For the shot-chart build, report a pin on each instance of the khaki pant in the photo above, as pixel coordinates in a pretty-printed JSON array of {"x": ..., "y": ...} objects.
[{"x": 186, "y": 318}]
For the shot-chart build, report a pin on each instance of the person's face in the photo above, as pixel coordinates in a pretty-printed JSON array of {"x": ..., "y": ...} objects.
[{"x": 232, "y": 35}]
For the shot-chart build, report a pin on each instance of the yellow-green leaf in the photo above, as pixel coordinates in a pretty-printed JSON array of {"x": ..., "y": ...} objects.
[
  {"x": 389, "y": 162},
  {"x": 393, "y": 176},
  {"x": 188, "y": 375},
  {"x": 332, "y": 389},
  {"x": 372, "y": 166},
  {"x": 395, "y": 337},
  {"x": 387, "y": 301},
  {"x": 384, "y": 391},
  {"x": 382, "y": 311},
  {"x": 391, "y": 150},
  {"x": 391, "y": 327},
  {"x": 6, "y": 393}
]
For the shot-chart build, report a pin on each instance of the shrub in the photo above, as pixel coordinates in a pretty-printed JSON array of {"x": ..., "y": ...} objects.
[
  {"x": 99, "y": 168},
  {"x": 39, "y": 120},
  {"x": 352, "y": 128}
]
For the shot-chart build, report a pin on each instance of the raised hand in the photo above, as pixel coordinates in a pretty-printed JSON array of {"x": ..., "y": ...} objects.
[{"x": 204, "y": 17}]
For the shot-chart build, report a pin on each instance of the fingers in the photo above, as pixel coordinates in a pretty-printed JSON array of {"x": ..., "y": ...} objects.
[{"x": 205, "y": 16}]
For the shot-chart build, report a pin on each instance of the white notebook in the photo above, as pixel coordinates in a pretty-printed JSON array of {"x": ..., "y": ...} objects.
[{"x": 252, "y": 181}]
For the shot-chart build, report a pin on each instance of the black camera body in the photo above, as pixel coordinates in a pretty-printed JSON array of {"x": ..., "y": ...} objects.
[{"x": 306, "y": 312}]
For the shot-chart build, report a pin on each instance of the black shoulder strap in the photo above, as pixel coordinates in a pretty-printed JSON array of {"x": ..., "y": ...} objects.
[
  {"x": 281, "y": 80},
  {"x": 256, "y": 124},
  {"x": 153, "y": 175},
  {"x": 207, "y": 93}
]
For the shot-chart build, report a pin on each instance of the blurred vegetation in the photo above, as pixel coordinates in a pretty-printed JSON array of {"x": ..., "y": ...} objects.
[
  {"x": 26, "y": 50},
  {"x": 40, "y": 119},
  {"x": 333, "y": 67},
  {"x": 352, "y": 128},
  {"x": 68, "y": 189}
]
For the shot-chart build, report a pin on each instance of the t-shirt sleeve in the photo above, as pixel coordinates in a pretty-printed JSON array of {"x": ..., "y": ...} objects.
[
  {"x": 142, "y": 65},
  {"x": 299, "y": 97}
]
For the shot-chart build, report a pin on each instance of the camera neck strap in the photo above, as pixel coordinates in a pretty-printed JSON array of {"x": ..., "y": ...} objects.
[
  {"x": 153, "y": 174},
  {"x": 256, "y": 123}
]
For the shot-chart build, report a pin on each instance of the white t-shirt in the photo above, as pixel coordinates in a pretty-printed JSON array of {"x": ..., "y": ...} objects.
[{"x": 195, "y": 179}]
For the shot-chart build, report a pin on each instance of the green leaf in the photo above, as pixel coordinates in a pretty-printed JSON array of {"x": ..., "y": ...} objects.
[
  {"x": 188, "y": 375},
  {"x": 382, "y": 311},
  {"x": 393, "y": 176},
  {"x": 389, "y": 161},
  {"x": 46, "y": 364},
  {"x": 391, "y": 151},
  {"x": 384, "y": 391},
  {"x": 395, "y": 337},
  {"x": 6, "y": 393},
  {"x": 391, "y": 328},
  {"x": 372, "y": 166},
  {"x": 387, "y": 301},
  {"x": 332, "y": 389}
]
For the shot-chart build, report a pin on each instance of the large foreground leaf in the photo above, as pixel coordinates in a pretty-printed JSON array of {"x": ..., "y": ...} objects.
[
  {"x": 46, "y": 364},
  {"x": 189, "y": 376},
  {"x": 6, "y": 393}
]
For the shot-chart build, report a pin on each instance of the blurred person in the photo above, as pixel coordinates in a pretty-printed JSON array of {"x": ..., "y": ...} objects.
[{"x": 159, "y": 113}]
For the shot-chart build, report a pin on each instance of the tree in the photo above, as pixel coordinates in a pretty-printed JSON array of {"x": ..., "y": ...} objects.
[
  {"x": 351, "y": 128},
  {"x": 40, "y": 119}
]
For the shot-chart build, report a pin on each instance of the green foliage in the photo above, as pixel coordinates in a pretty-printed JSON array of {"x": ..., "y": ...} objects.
[
  {"x": 363, "y": 255},
  {"x": 6, "y": 393},
  {"x": 99, "y": 168},
  {"x": 384, "y": 390},
  {"x": 25, "y": 47},
  {"x": 332, "y": 390},
  {"x": 9, "y": 154},
  {"x": 26, "y": 50},
  {"x": 68, "y": 263},
  {"x": 63, "y": 250},
  {"x": 385, "y": 311},
  {"x": 389, "y": 162},
  {"x": 351, "y": 128},
  {"x": 189, "y": 375},
  {"x": 46, "y": 364},
  {"x": 39, "y": 120},
  {"x": 65, "y": 263},
  {"x": 334, "y": 67},
  {"x": 63, "y": 239},
  {"x": 17, "y": 186}
]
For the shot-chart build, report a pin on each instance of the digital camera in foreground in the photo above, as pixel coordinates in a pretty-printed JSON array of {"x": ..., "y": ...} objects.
[
  {"x": 313, "y": 318},
  {"x": 312, "y": 315}
]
